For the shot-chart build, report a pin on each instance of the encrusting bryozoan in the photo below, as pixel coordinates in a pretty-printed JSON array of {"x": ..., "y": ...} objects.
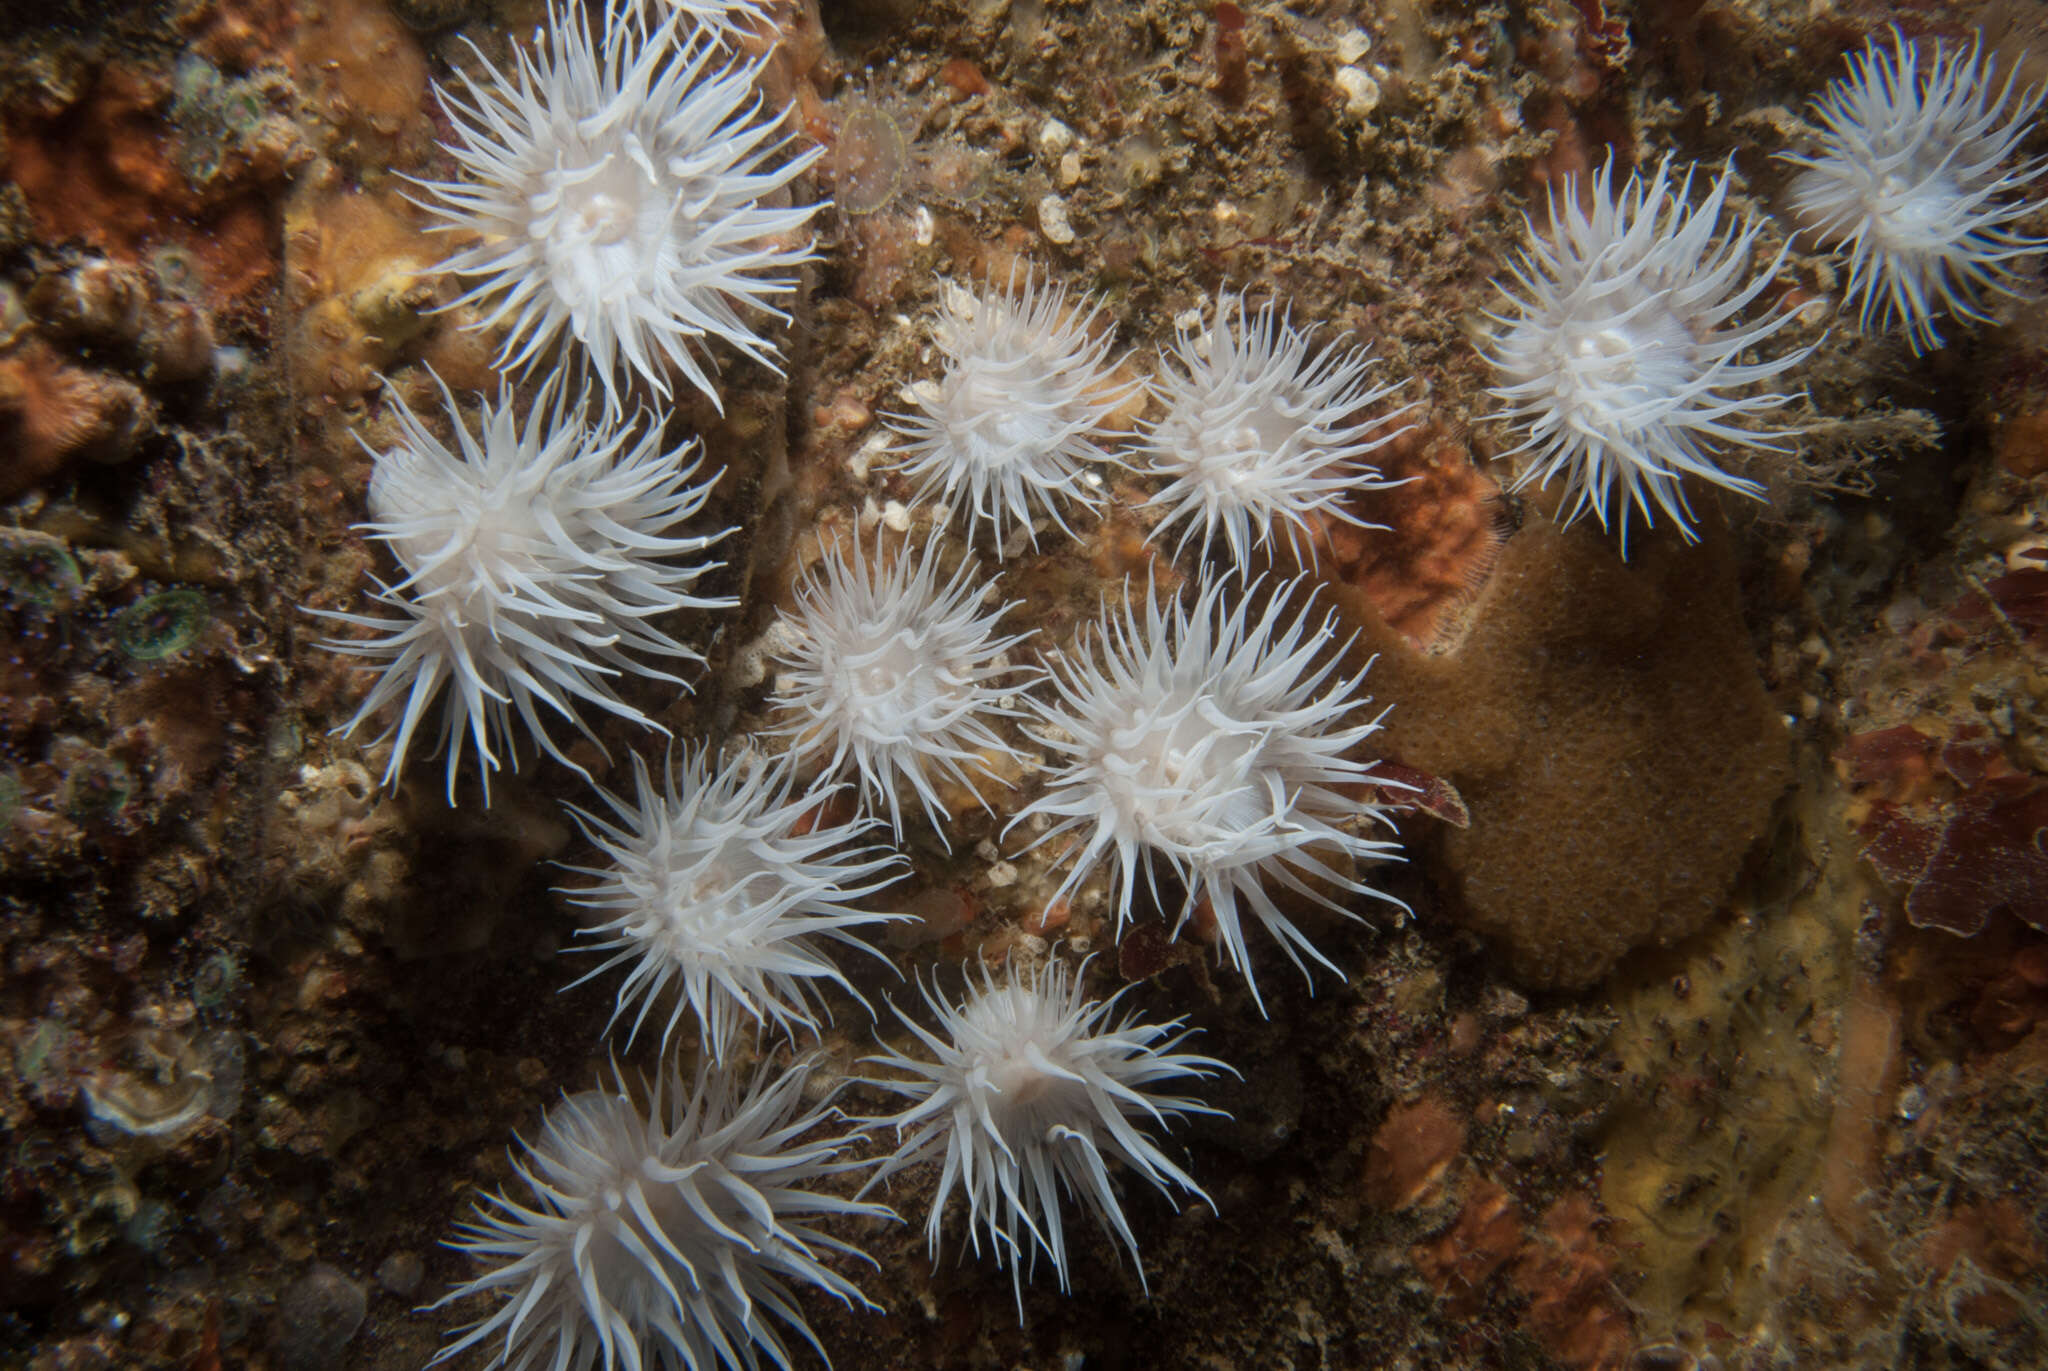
[
  {"x": 1622, "y": 360},
  {"x": 621, "y": 193},
  {"x": 1220, "y": 741},
  {"x": 536, "y": 556},
  {"x": 1007, "y": 430},
  {"x": 1034, "y": 1089},
  {"x": 726, "y": 890},
  {"x": 897, "y": 670},
  {"x": 1909, "y": 176},
  {"x": 666, "y": 1237},
  {"x": 1259, "y": 435}
]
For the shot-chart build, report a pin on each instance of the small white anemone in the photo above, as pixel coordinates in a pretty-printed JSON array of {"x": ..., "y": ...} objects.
[
  {"x": 724, "y": 889},
  {"x": 1910, "y": 177},
  {"x": 1259, "y": 433},
  {"x": 897, "y": 671},
  {"x": 1222, "y": 743},
  {"x": 622, "y": 193},
  {"x": 1006, "y": 432},
  {"x": 667, "y": 1237},
  {"x": 534, "y": 557},
  {"x": 1036, "y": 1089},
  {"x": 1623, "y": 359}
]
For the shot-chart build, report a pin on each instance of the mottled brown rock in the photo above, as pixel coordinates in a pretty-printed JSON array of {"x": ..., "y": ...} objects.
[
  {"x": 1411, "y": 1151},
  {"x": 1606, "y": 726}
]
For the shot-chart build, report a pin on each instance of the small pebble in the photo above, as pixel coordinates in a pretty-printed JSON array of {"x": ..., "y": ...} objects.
[
  {"x": 1053, "y": 221},
  {"x": 317, "y": 1317},
  {"x": 1361, "y": 92},
  {"x": 401, "y": 1273}
]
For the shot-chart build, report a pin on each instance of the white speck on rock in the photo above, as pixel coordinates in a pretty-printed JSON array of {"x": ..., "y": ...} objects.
[{"x": 1053, "y": 221}]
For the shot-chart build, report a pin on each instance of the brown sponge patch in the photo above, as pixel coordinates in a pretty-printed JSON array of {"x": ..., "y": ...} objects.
[{"x": 1606, "y": 725}]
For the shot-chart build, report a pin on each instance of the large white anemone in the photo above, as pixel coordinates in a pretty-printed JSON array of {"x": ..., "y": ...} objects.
[
  {"x": 623, "y": 192},
  {"x": 727, "y": 891},
  {"x": 897, "y": 672},
  {"x": 1629, "y": 355},
  {"x": 536, "y": 557},
  {"x": 1008, "y": 431},
  {"x": 1263, "y": 433},
  {"x": 1223, "y": 743},
  {"x": 667, "y": 1237},
  {"x": 1034, "y": 1090},
  {"x": 1911, "y": 177}
]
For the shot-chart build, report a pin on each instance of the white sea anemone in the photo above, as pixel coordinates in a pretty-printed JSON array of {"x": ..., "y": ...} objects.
[
  {"x": 1008, "y": 429},
  {"x": 1034, "y": 1090},
  {"x": 621, "y": 192},
  {"x": 1624, "y": 358},
  {"x": 898, "y": 671},
  {"x": 1260, "y": 434},
  {"x": 726, "y": 890},
  {"x": 1910, "y": 177},
  {"x": 1223, "y": 743},
  {"x": 534, "y": 557},
  {"x": 663, "y": 1238}
]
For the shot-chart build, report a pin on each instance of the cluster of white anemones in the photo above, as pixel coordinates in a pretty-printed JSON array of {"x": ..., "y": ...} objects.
[
  {"x": 623, "y": 192},
  {"x": 1632, "y": 350},
  {"x": 1261, "y": 431},
  {"x": 620, "y": 197},
  {"x": 1633, "y": 347},
  {"x": 1214, "y": 738}
]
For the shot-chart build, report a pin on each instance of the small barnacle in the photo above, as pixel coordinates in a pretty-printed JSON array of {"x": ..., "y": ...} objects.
[
  {"x": 51, "y": 412},
  {"x": 169, "y": 1092},
  {"x": 178, "y": 345},
  {"x": 215, "y": 980},
  {"x": 178, "y": 270},
  {"x": 39, "y": 569},
  {"x": 161, "y": 625},
  {"x": 96, "y": 786},
  {"x": 97, "y": 301}
]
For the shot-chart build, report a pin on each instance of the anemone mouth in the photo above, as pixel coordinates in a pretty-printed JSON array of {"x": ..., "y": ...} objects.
[
  {"x": 598, "y": 226},
  {"x": 1019, "y": 1081},
  {"x": 1004, "y": 419},
  {"x": 1178, "y": 779},
  {"x": 1622, "y": 374}
]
